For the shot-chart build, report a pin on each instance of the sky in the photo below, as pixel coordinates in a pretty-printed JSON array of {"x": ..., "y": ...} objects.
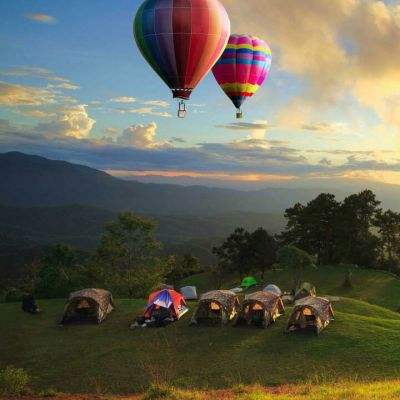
[{"x": 73, "y": 86}]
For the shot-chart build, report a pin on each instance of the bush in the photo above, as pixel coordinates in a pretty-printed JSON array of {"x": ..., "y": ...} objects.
[
  {"x": 156, "y": 392},
  {"x": 13, "y": 381}
]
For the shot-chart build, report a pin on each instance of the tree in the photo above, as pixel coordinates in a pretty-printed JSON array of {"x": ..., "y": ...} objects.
[
  {"x": 234, "y": 254},
  {"x": 388, "y": 224},
  {"x": 262, "y": 248},
  {"x": 296, "y": 261},
  {"x": 59, "y": 271},
  {"x": 128, "y": 243},
  {"x": 183, "y": 267},
  {"x": 312, "y": 227},
  {"x": 356, "y": 243}
]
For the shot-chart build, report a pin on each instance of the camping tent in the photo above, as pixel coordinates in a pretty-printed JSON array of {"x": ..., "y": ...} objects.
[
  {"x": 306, "y": 289},
  {"x": 88, "y": 304},
  {"x": 189, "y": 292},
  {"x": 260, "y": 309},
  {"x": 273, "y": 289},
  {"x": 217, "y": 306},
  {"x": 163, "y": 306},
  {"x": 248, "y": 282},
  {"x": 310, "y": 313}
]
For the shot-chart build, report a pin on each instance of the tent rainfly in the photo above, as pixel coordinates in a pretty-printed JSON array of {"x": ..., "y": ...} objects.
[
  {"x": 248, "y": 282},
  {"x": 163, "y": 307},
  {"x": 306, "y": 289},
  {"x": 260, "y": 309},
  {"x": 189, "y": 292},
  {"x": 310, "y": 313},
  {"x": 273, "y": 289},
  {"x": 217, "y": 306},
  {"x": 88, "y": 304}
]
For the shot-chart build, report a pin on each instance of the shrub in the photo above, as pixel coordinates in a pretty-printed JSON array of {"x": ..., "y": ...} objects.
[
  {"x": 13, "y": 381},
  {"x": 156, "y": 392}
]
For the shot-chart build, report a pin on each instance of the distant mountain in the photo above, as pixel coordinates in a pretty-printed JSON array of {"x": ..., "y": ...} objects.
[{"x": 29, "y": 181}]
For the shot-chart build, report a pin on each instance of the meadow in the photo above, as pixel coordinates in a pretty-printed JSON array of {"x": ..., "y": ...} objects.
[{"x": 362, "y": 344}]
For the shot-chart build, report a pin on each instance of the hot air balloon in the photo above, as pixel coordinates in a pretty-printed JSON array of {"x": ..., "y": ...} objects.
[
  {"x": 242, "y": 68},
  {"x": 181, "y": 40}
]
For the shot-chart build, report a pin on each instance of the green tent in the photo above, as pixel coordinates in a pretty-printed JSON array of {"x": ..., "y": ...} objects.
[{"x": 248, "y": 282}]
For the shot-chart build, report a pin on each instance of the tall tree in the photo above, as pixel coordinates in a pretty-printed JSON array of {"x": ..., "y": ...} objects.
[
  {"x": 312, "y": 227},
  {"x": 129, "y": 242},
  {"x": 356, "y": 243},
  {"x": 233, "y": 255},
  {"x": 262, "y": 249},
  {"x": 388, "y": 224}
]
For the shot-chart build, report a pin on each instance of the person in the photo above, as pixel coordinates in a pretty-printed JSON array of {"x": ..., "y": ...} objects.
[{"x": 29, "y": 304}]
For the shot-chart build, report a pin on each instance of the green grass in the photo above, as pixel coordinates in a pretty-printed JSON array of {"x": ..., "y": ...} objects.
[
  {"x": 372, "y": 286},
  {"x": 363, "y": 343}
]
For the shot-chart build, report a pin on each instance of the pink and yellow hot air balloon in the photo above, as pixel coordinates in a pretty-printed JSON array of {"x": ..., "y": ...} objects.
[
  {"x": 181, "y": 40},
  {"x": 243, "y": 68}
]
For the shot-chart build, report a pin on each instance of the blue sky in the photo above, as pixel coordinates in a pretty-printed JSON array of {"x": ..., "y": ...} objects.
[{"x": 74, "y": 86}]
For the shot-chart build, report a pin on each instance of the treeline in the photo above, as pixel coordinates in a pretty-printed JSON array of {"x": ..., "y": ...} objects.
[
  {"x": 325, "y": 231},
  {"x": 127, "y": 261}
]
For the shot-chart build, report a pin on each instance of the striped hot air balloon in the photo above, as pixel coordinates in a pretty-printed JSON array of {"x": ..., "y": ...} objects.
[
  {"x": 242, "y": 68},
  {"x": 181, "y": 40}
]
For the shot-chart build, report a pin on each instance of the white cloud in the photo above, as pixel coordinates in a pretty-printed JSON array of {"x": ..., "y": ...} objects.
[
  {"x": 71, "y": 121},
  {"x": 156, "y": 103},
  {"x": 123, "y": 99},
  {"x": 142, "y": 137},
  {"x": 144, "y": 111}
]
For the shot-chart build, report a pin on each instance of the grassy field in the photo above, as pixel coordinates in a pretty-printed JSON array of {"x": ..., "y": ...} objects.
[{"x": 363, "y": 343}]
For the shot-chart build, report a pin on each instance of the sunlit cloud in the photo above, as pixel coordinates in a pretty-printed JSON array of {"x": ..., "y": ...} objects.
[
  {"x": 42, "y": 18},
  {"x": 17, "y": 95},
  {"x": 144, "y": 111}
]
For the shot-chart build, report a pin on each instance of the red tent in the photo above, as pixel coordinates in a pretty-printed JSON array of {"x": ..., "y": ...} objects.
[{"x": 168, "y": 299}]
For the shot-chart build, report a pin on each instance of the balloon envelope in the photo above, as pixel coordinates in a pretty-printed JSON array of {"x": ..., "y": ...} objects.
[
  {"x": 243, "y": 67},
  {"x": 181, "y": 39}
]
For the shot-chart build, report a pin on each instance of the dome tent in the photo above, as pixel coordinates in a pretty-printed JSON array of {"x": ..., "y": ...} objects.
[
  {"x": 260, "y": 309},
  {"x": 273, "y": 289},
  {"x": 163, "y": 306},
  {"x": 217, "y": 306},
  {"x": 310, "y": 313},
  {"x": 248, "y": 282},
  {"x": 88, "y": 305},
  {"x": 189, "y": 292}
]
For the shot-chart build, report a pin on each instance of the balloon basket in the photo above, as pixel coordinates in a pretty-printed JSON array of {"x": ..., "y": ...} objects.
[
  {"x": 239, "y": 114},
  {"x": 181, "y": 109}
]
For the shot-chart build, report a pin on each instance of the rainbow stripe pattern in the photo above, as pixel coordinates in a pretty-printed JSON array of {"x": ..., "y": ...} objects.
[
  {"x": 181, "y": 39},
  {"x": 243, "y": 67}
]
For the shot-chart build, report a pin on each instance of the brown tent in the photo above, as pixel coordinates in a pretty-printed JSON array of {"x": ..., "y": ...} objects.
[
  {"x": 88, "y": 304},
  {"x": 217, "y": 306},
  {"x": 310, "y": 313},
  {"x": 260, "y": 309}
]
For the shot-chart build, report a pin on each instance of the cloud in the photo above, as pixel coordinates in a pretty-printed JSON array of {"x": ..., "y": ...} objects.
[
  {"x": 17, "y": 95},
  {"x": 177, "y": 140},
  {"x": 123, "y": 99},
  {"x": 35, "y": 72},
  {"x": 71, "y": 121},
  {"x": 111, "y": 131},
  {"x": 42, "y": 18},
  {"x": 141, "y": 137},
  {"x": 144, "y": 111},
  {"x": 156, "y": 103},
  {"x": 340, "y": 49},
  {"x": 257, "y": 129},
  {"x": 65, "y": 85}
]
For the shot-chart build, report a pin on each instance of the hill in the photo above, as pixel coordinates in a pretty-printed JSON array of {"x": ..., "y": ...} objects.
[
  {"x": 29, "y": 181},
  {"x": 362, "y": 343}
]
